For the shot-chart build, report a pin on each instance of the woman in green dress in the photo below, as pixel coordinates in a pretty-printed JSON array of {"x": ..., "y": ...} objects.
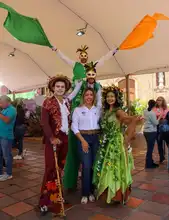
[{"x": 114, "y": 162}]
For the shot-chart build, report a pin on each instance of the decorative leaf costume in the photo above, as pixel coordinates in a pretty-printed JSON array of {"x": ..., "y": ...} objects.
[{"x": 112, "y": 169}]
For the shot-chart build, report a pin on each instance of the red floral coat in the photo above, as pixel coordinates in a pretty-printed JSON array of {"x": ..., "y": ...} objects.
[{"x": 51, "y": 118}]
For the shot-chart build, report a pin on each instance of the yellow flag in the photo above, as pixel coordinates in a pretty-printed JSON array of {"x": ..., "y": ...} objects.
[{"x": 142, "y": 32}]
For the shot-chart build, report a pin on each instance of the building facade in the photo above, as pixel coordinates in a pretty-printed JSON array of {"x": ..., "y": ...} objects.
[{"x": 144, "y": 87}]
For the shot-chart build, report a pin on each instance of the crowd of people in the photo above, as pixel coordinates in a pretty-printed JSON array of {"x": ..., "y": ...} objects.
[
  {"x": 12, "y": 130},
  {"x": 156, "y": 128},
  {"x": 89, "y": 128}
]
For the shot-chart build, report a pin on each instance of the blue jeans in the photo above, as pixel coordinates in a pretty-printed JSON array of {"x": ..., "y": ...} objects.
[
  {"x": 161, "y": 146},
  {"x": 150, "y": 139},
  {"x": 87, "y": 160},
  {"x": 6, "y": 153},
  {"x": 165, "y": 137},
  {"x": 19, "y": 135}
]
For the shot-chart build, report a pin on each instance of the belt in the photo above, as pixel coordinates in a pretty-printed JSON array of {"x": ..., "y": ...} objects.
[{"x": 90, "y": 132}]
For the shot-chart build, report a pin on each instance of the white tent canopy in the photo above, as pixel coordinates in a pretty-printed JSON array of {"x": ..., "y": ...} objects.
[{"x": 109, "y": 22}]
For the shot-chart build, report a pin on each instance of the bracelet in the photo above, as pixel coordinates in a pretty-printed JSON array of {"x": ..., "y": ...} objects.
[{"x": 54, "y": 49}]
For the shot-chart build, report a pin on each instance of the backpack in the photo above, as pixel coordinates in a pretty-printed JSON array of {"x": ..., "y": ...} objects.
[{"x": 164, "y": 127}]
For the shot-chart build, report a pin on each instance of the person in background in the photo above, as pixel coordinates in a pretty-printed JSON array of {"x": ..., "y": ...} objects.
[
  {"x": 160, "y": 110},
  {"x": 150, "y": 132},
  {"x": 19, "y": 131},
  {"x": 4, "y": 165},
  {"x": 164, "y": 130},
  {"x": 7, "y": 122}
]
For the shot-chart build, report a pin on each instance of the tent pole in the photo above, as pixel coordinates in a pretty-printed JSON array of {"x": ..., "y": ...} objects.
[{"x": 128, "y": 92}]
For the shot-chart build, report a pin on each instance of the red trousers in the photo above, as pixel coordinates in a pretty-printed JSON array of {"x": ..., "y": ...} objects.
[{"x": 49, "y": 190}]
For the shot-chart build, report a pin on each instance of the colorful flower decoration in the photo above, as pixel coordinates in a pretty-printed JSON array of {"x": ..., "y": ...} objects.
[
  {"x": 117, "y": 91},
  {"x": 51, "y": 186},
  {"x": 53, "y": 198}
]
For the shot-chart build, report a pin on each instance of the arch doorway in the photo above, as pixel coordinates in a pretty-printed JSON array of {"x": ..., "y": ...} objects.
[{"x": 122, "y": 85}]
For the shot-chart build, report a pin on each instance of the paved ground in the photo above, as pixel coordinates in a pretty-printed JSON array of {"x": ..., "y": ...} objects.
[{"x": 149, "y": 200}]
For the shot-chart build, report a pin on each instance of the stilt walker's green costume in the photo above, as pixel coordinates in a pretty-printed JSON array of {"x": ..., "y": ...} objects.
[
  {"x": 72, "y": 160},
  {"x": 79, "y": 73}
]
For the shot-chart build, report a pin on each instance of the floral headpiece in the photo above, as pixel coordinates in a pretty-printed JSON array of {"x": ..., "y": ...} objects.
[
  {"x": 83, "y": 49},
  {"x": 116, "y": 90}
]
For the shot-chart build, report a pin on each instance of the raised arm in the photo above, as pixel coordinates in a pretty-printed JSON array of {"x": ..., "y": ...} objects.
[
  {"x": 10, "y": 115},
  {"x": 124, "y": 118},
  {"x": 108, "y": 56},
  {"x": 77, "y": 88},
  {"x": 99, "y": 97},
  {"x": 64, "y": 58},
  {"x": 131, "y": 122}
]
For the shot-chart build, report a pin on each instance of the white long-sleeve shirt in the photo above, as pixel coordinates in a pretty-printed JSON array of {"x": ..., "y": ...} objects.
[
  {"x": 71, "y": 63},
  {"x": 73, "y": 94},
  {"x": 64, "y": 116},
  {"x": 151, "y": 121},
  {"x": 86, "y": 119},
  {"x": 63, "y": 108}
]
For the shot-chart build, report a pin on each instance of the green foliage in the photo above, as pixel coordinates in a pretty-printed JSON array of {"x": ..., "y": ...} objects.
[{"x": 137, "y": 107}]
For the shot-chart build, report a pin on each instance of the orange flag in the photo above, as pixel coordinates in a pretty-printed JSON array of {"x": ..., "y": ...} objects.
[
  {"x": 142, "y": 32},
  {"x": 158, "y": 16}
]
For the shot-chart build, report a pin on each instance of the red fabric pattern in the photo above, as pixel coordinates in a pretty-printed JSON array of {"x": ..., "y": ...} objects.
[
  {"x": 52, "y": 106},
  {"x": 51, "y": 122},
  {"x": 51, "y": 116},
  {"x": 50, "y": 188}
]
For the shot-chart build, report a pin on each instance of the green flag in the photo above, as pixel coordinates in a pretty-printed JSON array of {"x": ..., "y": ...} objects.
[{"x": 23, "y": 28}]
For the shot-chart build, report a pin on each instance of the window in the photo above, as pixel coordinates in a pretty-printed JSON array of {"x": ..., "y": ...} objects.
[{"x": 160, "y": 80}]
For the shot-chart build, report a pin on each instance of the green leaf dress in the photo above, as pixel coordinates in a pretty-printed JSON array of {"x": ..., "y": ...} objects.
[{"x": 112, "y": 170}]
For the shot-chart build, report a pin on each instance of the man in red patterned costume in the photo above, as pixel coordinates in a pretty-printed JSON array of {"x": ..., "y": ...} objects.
[{"x": 55, "y": 113}]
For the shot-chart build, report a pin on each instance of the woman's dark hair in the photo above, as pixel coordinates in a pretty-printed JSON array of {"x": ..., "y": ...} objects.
[
  {"x": 93, "y": 92},
  {"x": 151, "y": 104},
  {"x": 20, "y": 113},
  {"x": 19, "y": 107},
  {"x": 163, "y": 104},
  {"x": 118, "y": 103}
]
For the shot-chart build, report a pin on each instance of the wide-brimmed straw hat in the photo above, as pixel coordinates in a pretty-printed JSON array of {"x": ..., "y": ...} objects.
[{"x": 59, "y": 78}]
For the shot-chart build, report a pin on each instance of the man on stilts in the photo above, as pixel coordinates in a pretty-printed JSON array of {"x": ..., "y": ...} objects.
[{"x": 80, "y": 72}]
